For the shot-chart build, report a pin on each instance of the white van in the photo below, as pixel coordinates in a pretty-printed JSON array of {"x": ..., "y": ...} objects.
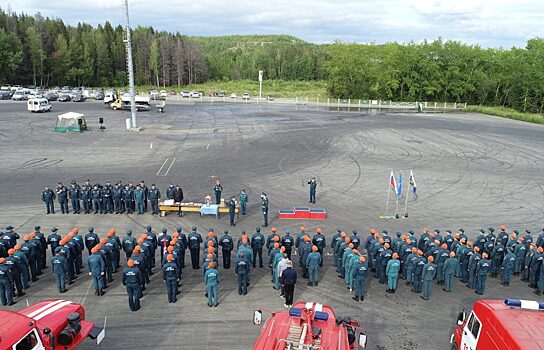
[
  {"x": 38, "y": 105},
  {"x": 110, "y": 96}
]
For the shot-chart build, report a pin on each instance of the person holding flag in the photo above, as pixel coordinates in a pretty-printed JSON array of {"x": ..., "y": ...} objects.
[{"x": 413, "y": 183}]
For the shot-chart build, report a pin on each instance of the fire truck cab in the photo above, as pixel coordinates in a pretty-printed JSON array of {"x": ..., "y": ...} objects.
[
  {"x": 48, "y": 325},
  {"x": 308, "y": 326},
  {"x": 496, "y": 324}
]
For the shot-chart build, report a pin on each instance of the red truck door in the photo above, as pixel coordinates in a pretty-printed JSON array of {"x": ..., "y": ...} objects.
[
  {"x": 471, "y": 333},
  {"x": 31, "y": 341}
]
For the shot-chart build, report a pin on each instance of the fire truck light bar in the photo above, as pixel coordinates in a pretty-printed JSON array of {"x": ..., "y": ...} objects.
[{"x": 524, "y": 304}]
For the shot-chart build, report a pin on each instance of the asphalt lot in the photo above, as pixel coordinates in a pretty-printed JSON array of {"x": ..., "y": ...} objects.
[{"x": 472, "y": 171}]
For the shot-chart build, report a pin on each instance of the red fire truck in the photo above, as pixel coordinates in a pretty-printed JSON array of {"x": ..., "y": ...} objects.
[
  {"x": 308, "y": 326},
  {"x": 496, "y": 324},
  {"x": 48, "y": 325}
]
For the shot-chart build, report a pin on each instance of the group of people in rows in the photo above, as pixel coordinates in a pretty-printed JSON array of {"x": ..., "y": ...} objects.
[
  {"x": 417, "y": 260},
  {"x": 129, "y": 198}
]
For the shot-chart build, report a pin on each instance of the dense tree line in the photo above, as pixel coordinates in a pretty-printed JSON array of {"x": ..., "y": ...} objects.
[
  {"x": 45, "y": 51},
  {"x": 439, "y": 71}
]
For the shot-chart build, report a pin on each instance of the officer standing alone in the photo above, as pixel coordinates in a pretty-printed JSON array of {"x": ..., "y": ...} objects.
[
  {"x": 217, "y": 189},
  {"x": 313, "y": 186},
  {"x": 264, "y": 208}
]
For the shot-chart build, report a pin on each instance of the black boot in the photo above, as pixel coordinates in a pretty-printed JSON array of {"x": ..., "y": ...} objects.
[{"x": 355, "y": 298}]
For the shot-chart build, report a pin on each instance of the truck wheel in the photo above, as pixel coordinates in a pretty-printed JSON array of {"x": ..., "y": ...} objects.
[{"x": 114, "y": 108}]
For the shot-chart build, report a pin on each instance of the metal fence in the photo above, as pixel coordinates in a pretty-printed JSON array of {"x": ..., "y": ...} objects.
[{"x": 330, "y": 104}]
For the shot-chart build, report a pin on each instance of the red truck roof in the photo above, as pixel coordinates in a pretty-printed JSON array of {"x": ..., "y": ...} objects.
[
  {"x": 283, "y": 326},
  {"x": 517, "y": 328},
  {"x": 13, "y": 326}
]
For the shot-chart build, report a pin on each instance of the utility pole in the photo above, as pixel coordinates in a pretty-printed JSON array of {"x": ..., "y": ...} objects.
[
  {"x": 130, "y": 69},
  {"x": 260, "y": 84}
]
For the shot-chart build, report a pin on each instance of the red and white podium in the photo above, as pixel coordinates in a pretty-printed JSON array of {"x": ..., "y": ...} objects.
[{"x": 303, "y": 213}]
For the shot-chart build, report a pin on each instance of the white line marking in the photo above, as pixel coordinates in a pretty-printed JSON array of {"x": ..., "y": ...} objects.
[
  {"x": 163, "y": 164},
  {"x": 170, "y": 167},
  {"x": 151, "y": 145},
  {"x": 86, "y": 294},
  {"x": 208, "y": 146}
]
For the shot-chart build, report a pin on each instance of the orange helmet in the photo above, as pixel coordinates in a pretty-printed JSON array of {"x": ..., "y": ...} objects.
[
  {"x": 209, "y": 256},
  {"x": 130, "y": 262},
  {"x": 355, "y": 251},
  {"x": 210, "y": 243},
  {"x": 276, "y": 238},
  {"x": 347, "y": 240},
  {"x": 32, "y": 234},
  {"x": 476, "y": 249},
  {"x": 414, "y": 250},
  {"x": 11, "y": 251},
  {"x": 395, "y": 256},
  {"x": 169, "y": 257},
  {"x": 170, "y": 249},
  {"x": 211, "y": 250},
  {"x": 276, "y": 245},
  {"x": 103, "y": 241},
  {"x": 408, "y": 241},
  {"x": 444, "y": 246},
  {"x": 210, "y": 234},
  {"x": 211, "y": 265},
  {"x": 362, "y": 258}
]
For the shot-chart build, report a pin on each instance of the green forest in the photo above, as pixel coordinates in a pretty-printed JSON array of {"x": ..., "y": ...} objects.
[{"x": 48, "y": 52}]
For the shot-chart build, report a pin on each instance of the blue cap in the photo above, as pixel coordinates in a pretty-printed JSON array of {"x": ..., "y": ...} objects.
[
  {"x": 148, "y": 227},
  {"x": 193, "y": 228},
  {"x": 354, "y": 232},
  {"x": 437, "y": 230},
  {"x": 398, "y": 234},
  {"x": 338, "y": 229},
  {"x": 210, "y": 229},
  {"x": 516, "y": 232},
  {"x": 37, "y": 227},
  {"x": 226, "y": 231},
  {"x": 482, "y": 230},
  {"x": 164, "y": 230},
  {"x": 9, "y": 227},
  {"x": 258, "y": 229},
  {"x": 178, "y": 228},
  {"x": 287, "y": 231},
  {"x": 449, "y": 231},
  {"x": 54, "y": 229},
  {"x": 491, "y": 229},
  {"x": 90, "y": 229},
  {"x": 385, "y": 232},
  {"x": 411, "y": 232},
  {"x": 462, "y": 230},
  {"x": 129, "y": 232}
]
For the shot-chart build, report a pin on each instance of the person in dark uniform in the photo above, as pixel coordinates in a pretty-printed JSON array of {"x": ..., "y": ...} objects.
[
  {"x": 287, "y": 241},
  {"x": 117, "y": 195},
  {"x": 170, "y": 190},
  {"x": 232, "y": 210},
  {"x": 60, "y": 270},
  {"x": 170, "y": 276},
  {"x": 91, "y": 239},
  {"x": 194, "y": 240},
  {"x": 86, "y": 199},
  {"x": 288, "y": 281},
  {"x": 133, "y": 280},
  {"x": 243, "y": 202},
  {"x": 129, "y": 243},
  {"x": 43, "y": 246},
  {"x": 107, "y": 198},
  {"x": 242, "y": 273},
  {"x": 226, "y": 243},
  {"x": 178, "y": 194},
  {"x": 146, "y": 194},
  {"x": 154, "y": 195},
  {"x": 264, "y": 208},
  {"x": 62, "y": 196},
  {"x": 257, "y": 243},
  {"x": 6, "y": 284},
  {"x": 74, "y": 194},
  {"x": 128, "y": 194},
  {"x": 48, "y": 197},
  {"x": 217, "y": 190},
  {"x": 313, "y": 186},
  {"x": 15, "y": 269}
]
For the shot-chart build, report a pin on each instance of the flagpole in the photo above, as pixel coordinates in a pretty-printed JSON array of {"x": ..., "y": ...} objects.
[
  {"x": 388, "y": 193},
  {"x": 406, "y": 199},
  {"x": 397, "y": 208}
]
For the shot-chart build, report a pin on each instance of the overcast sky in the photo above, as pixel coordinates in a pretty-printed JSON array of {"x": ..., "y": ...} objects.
[{"x": 489, "y": 23}]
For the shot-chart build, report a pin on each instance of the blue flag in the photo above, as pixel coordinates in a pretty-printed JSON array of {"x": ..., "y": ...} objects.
[{"x": 399, "y": 186}]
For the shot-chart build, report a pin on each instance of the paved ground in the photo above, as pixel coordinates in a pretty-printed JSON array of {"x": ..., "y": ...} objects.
[{"x": 472, "y": 171}]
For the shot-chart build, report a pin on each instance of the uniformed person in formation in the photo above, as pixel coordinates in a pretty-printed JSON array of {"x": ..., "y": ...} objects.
[
  {"x": 226, "y": 243},
  {"x": 133, "y": 280},
  {"x": 48, "y": 197},
  {"x": 60, "y": 270},
  {"x": 313, "y": 186},
  {"x": 154, "y": 196},
  {"x": 62, "y": 196},
  {"x": 170, "y": 275}
]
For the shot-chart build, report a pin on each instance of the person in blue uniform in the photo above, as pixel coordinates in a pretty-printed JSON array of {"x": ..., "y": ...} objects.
[
  {"x": 313, "y": 187},
  {"x": 48, "y": 197},
  {"x": 133, "y": 281}
]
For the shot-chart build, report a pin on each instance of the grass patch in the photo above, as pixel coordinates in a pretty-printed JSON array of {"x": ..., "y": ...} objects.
[
  {"x": 508, "y": 113},
  {"x": 276, "y": 88}
]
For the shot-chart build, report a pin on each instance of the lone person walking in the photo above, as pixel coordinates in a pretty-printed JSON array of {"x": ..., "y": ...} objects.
[{"x": 313, "y": 186}]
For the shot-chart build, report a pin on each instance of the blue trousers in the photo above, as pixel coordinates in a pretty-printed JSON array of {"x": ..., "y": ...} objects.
[
  {"x": 359, "y": 287},
  {"x": 242, "y": 283},
  {"x": 481, "y": 283},
  {"x": 313, "y": 274},
  {"x": 392, "y": 281},
  {"x": 427, "y": 287},
  {"x": 154, "y": 206},
  {"x": 63, "y": 205},
  {"x": 117, "y": 205},
  {"x": 448, "y": 278},
  {"x": 75, "y": 205},
  {"x": 134, "y": 294},
  {"x": 172, "y": 288},
  {"x": 50, "y": 207},
  {"x": 417, "y": 283},
  {"x": 506, "y": 275},
  {"x": 140, "y": 206},
  {"x": 409, "y": 272},
  {"x": 6, "y": 292},
  {"x": 212, "y": 292},
  {"x": 61, "y": 282},
  {"x": 243, "y": 207},
  {"x": 98, "y": 282}
]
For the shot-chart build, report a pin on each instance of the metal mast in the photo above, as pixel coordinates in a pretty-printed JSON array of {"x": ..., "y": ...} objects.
[{"x": 130, "y": 67}]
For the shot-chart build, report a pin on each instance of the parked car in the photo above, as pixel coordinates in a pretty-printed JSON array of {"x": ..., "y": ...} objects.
[
  {"x": 99, "y": 95},
  {"x": 270, "y": 98},
  {"x": 163, "y": 94},
  {"x": 5, "y": 87},
  {"x": 245, "y": 96},
  {"x": 16, "y": 87},
  {"x": 20, "y": 95},
  {"x": 195, "y": 94},
  {"x": 173, "y": 93},
  {"x": 221, "y": 94},
  {"x": 233, "y": 95},
  {"x": 52, "y": 96},
  {"x": 38, "y": 105},
  {"x": 64, "y": 98},
  {"x": 5, "y": 95},
  {"x": 79, "y": 97},
  {"x": 185, "y": 94}
]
